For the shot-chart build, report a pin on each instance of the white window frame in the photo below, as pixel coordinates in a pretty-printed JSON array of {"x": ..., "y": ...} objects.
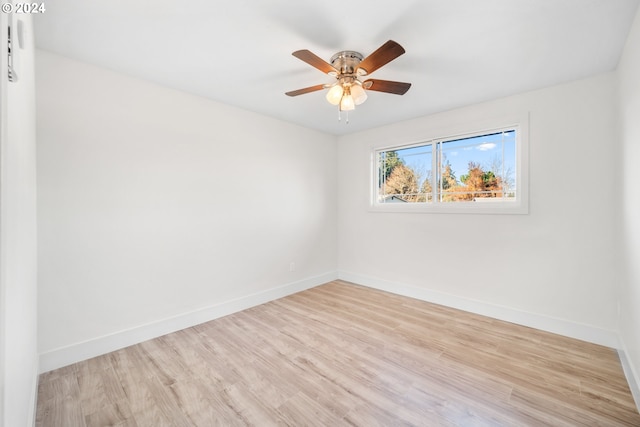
[{"x": 518, "y": 206}]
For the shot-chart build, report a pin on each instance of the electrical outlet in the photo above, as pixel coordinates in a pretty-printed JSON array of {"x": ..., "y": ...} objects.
[{"x": 292, "y": 266}]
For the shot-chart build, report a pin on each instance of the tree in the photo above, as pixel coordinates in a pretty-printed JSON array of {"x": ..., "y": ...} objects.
[
  {"x": 448, "y": 184},
  {"x": 478, "y": 183},
  {"x": 402, "y": 181},
  {"x": 389, "y": 160},
  {"x": 506, "y": 175},
  {"x": 448, "y": 178},
  {"x": 426, "y": 188}
]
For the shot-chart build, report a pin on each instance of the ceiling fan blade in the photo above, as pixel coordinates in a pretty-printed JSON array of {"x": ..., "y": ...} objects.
[
  {"x": 314, "y": 60},
  {"x": 383, "y": 55},
  {"x": 397, "y": 88},
  {"x": 305, "y": 90}
]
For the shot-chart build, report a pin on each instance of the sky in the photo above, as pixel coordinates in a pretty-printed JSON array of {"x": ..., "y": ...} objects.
[{"x": 487, "y": 150}]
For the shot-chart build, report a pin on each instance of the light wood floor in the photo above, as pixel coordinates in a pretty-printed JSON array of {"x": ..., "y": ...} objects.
[{"x": 341, "y": 354}]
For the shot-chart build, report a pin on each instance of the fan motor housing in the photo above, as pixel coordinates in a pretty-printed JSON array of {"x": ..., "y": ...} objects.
[{"x": 347, "y": 61}]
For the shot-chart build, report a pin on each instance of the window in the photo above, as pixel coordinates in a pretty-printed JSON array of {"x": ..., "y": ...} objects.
[{"x": 476, "y": 172}]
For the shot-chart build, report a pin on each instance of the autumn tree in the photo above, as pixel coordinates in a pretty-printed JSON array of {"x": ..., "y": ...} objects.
[
  {"x": 425, "y": 189},
  {"x": 478, "y": 183},
  {"x": 448, "y": 177},
  {"x": 402, "y": 181},
  {"x": 448, "y": 183}
]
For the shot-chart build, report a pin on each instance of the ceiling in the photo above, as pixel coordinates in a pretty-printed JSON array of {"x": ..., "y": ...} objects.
[{"x": 458, "y": 52}]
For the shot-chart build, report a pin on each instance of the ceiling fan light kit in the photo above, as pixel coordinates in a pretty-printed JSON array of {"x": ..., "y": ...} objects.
[{"x": 346, "y": 67}]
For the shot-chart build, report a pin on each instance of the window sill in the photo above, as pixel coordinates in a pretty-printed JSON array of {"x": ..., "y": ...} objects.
[{"x": 509, "y": 208}]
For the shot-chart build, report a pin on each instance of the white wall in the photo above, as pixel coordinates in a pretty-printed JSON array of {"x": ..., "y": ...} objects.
[
  {"x": 156, "y": 208},
  {"x": 18, "y": 287},
  {"x": 552, "y": 269},
  {"x": 629, "y": 105}
]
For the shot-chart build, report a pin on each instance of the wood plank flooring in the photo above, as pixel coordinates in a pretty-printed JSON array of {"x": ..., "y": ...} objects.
[{"x": 341, "y": 354}]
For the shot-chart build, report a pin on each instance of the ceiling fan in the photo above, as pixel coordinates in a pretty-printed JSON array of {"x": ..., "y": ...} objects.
[{"x": 347, "y": 67}]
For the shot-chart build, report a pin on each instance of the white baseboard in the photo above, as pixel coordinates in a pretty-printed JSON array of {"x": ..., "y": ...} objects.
[
  {"x": 34, "y": 396},
  {"x": 85, "y": 350},
  {"x": 95, "y": 347},
  {"x": 630, "y": 373},
  {"x": 557, "y": 326}
]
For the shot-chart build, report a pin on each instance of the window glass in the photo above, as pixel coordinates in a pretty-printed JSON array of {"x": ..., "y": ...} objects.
[
  {"x": 468, "y": 170},
  {"x": 405, "y": 175},
  {"x": 477, "y": 168}
]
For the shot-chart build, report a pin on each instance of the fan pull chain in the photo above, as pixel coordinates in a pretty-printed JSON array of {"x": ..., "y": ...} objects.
[{"x": 340, "y": 116}]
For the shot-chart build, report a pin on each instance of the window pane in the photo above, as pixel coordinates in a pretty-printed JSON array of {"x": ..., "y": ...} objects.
[
  {"x": 404, "y": 175},
  {"x": 479, "y": 168}
]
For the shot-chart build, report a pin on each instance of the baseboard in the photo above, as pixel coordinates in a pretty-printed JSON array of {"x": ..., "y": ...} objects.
[
  {"x": 34, "y": 396},
  {"x": 630, "y": 373},
  {"x": 95, "y": 347},
  {"x": 557, "y": 326}
]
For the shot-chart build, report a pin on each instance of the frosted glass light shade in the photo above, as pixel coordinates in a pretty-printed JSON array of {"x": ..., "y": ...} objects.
[
  {"x": 358, "y": 93},
  {"x": 335, "y": 94},
  {"x": 347, "y": 103}
]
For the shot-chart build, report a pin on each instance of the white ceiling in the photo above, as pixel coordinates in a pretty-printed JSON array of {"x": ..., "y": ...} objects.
[{"x": 458, "y": 52}]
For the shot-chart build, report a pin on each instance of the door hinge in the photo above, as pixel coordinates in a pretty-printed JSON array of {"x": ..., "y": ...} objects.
[{"x": 13, "y": 77}]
